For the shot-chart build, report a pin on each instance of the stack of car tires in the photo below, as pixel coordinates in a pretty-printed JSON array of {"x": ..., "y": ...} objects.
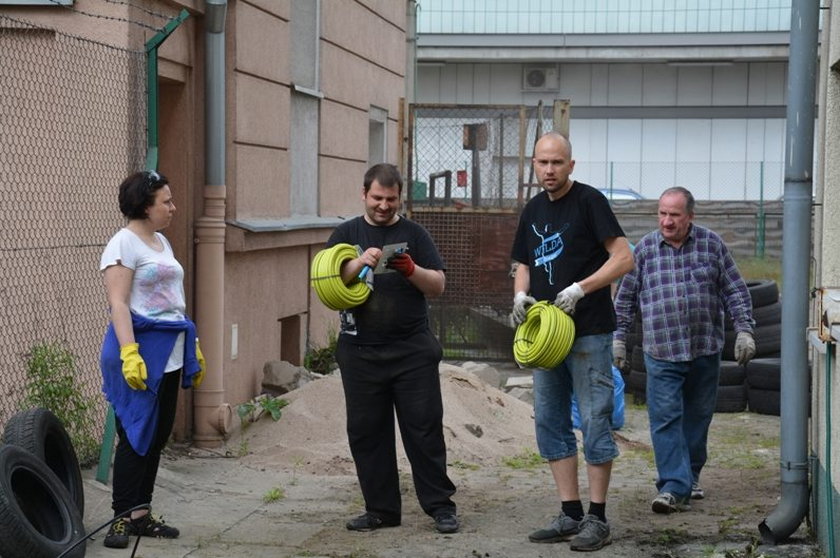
[
  {"x": 763, "y": 372},
  {"x": 41, "y": 490},
  {"x": 754, "y": 387}
]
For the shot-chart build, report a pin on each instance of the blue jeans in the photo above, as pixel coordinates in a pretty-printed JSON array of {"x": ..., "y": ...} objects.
[
  {"x": 681, "y": 398},
  {"x": 587, "y": 372}
]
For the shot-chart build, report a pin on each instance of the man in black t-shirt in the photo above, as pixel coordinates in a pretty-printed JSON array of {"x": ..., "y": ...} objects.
[
  {"x": 570, "y": 248},
  {"x": 389, "y": 359}
]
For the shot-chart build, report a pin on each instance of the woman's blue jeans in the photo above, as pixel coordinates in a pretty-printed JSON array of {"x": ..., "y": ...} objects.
[{"x": 681, "y": 399}]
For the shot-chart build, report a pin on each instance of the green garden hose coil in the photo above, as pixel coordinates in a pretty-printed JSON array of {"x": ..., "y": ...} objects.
[
  {"x": 545, "y": 338},
  {"x": 326, "y": 278}
]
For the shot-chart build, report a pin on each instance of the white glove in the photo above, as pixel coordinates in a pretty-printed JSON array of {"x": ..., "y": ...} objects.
[
  {"x": 521, "y": 303},
  {"x": 744, "y": 347},
  {"x": 619, "y": 354},
  {"x": 568, "y": 298}
]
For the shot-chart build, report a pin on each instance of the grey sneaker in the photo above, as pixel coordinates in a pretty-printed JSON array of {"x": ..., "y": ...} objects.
[
  {"x": 561, "y": 528},
  {"x": 594, "y": 534},
  {"x": 667, "y": 503},
  {"x": 697, "y": 491}
]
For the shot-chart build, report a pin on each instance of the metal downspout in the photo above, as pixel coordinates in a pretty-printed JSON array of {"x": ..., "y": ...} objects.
[
  {"x": 796, "y": 253},
  {"x": 213, "y": 417}
]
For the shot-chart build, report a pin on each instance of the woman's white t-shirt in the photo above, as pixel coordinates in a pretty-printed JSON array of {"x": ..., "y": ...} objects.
[{"x": 157, "y": 288}]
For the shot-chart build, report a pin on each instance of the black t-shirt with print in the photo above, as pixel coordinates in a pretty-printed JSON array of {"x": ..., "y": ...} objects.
[
  {"x": 395, "y": 309},
  {"x": 562, "y": 242}
]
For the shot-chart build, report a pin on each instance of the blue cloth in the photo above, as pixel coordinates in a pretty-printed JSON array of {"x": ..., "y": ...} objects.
[
  {"x": 138, "y": 409},
  {"x": 681, "y": 402},
  {"x": 617, "y": 419},
  {"x": 586, "y": 372}
]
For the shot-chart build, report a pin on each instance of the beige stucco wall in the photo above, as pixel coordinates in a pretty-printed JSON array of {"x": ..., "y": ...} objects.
[
  {"x": 267, "y": 272},
  {"x": 266, "y": 288}
]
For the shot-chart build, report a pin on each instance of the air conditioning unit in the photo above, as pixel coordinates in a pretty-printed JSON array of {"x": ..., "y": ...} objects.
[{"x": 540, "y": 78}]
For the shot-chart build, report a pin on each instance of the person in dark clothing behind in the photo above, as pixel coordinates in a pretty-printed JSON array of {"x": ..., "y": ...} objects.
[{"x": 389, "y": 360}]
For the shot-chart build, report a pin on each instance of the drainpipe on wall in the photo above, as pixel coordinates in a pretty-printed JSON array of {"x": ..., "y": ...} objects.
[
  {"x": 213, "y": 417},
  {"x": 796, "y": 254}
]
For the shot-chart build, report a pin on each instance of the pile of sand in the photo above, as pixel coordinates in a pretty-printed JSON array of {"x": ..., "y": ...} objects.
[{"x": 482, "y": 424}]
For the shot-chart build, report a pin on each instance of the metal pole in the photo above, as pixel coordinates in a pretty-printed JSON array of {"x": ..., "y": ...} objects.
[{"x": 796, "y": 253}]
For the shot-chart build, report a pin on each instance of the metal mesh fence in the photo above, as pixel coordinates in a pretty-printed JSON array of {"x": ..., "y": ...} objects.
[
  {"x": 474, "y": 156},
  {"x": 73, "y": 118},
  {"x": 470, "y": 169}
]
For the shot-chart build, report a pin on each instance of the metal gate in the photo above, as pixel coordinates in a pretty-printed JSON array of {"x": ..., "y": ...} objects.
[{"x": 469, "y": 169}]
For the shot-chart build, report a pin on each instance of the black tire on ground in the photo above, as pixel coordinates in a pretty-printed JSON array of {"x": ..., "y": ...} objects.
[
  {"x": 763, "y": 315},
  {"x": 637, "y": 359},
  {"x": 768, "y": 340},
  {"x": 41, "y": 433},
  {"x": 732, "y": 374},
  {"x": 764, "y": 401},
  {"x": 636, "y": 383},
  {"x": 763, "y": 292},
  {"x": 38, "y": 519},
  {"x": 731, "y": 399},
  {"x": 765, "y": 373}
]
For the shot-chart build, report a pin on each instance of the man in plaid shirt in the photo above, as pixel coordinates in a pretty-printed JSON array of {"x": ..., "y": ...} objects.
[{"x": 683, "y": 281}]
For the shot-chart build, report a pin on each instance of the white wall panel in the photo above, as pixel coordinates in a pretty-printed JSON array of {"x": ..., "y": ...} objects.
[
  {"x": 729, "y": 85},
  {"x": 428, "y": 83},
  {"x": 755, "y": 139},
  {"x": 448, "y": 84},
  {"x": 481, "y": 90},
  {"x": 624, "y": 153},
  {"x": 589, "y": 143},
  {"x": 694, "y": 86},
  {"x": 776, "y": 83},
  {"x": 576, "y": 84},
  {"x": 659, "y": 85},
  {"x": 625, "y": 85},
  {"x": 464, "y": 88},
  {"x": 600, "y": 84},
  {"x": 693, "y": 139},
  {"x": 506, "y": 84},
  {"x": 658, "y": 140},
  {"x": 729, "y": 139}
]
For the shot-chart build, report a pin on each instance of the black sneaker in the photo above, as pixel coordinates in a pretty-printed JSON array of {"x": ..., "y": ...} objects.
[
  {"x": 447, "y": 522},
  {"x": 118, "y": 533},
  {"x": 594, "y": 534},
  {"x": 561, "y": 528},
  {"x": 153, "y": 526},
  {"x": 369, "y": 522}
]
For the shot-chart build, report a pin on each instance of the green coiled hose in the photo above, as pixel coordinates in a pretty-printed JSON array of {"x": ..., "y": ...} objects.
[
  {"x": 545, "y": 338},
  {"x": 325, "y": 276}
]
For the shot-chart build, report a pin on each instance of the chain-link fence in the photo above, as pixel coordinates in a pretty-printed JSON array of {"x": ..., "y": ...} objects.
[
  {"x": 470, "y": 169},
  {"x": 72, "y": 114},
  {"x": 474, "y": 156}
]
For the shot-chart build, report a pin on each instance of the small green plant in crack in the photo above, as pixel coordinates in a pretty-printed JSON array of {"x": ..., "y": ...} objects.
[
  {"x": 273, "y": 495},
  {"x": 458, "y": 464},
  {"x": 671, "y": 537},
  {"x": 321, "y": 360},
  {"x": 271, "y": 405},
  {"x": 526, "y": 459},
  {"x": 51, "y": 384},
  {"x": 296, "y": 464}
]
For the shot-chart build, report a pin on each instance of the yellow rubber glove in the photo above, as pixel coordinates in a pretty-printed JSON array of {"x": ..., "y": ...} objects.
[
  {"x": 199, "y": 376},
  {"x": 133, "y": 366}
]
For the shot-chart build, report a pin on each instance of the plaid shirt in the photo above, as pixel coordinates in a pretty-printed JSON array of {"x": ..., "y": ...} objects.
[{"x": 682, "y": 293}]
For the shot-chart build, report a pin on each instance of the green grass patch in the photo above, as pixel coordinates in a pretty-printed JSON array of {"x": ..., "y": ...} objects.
[
  {"x": 526, "y": 459},
  {"x": 760, "y": 268}
]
